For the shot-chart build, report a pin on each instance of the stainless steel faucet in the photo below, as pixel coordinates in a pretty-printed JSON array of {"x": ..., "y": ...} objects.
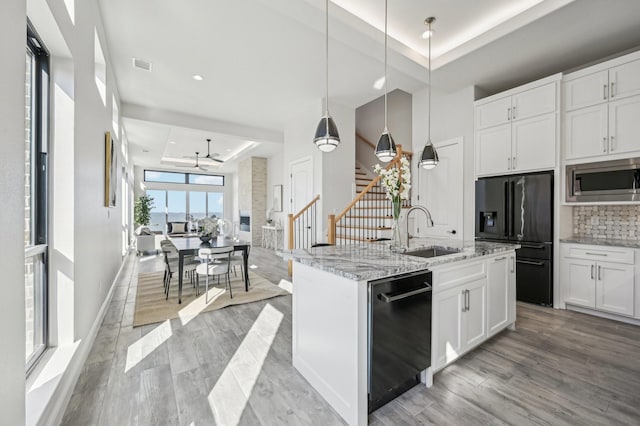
[{"x": 426, "y": 212}]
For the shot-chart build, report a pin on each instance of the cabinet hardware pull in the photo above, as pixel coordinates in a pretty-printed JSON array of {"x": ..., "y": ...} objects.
[
  {"x": 500, "y": 258},
  {"x": 611, "y": 93},
  {"x": 387, "y": 298},
  {"x": 599, "y": 272},
  {"x": 528, "y": 262},
  {"x": 468, "y": 301},
  {"x": 532, "y": 246},
  {"x": 513, "y": 264},
  {"x": 464, "y": 301},
  {"x": 596, "y": 254},
  {"x": 508, "y": 163},
  {"x": 508, "y": 114},
  {"x": 513, "y": 113},
  {"x": 513, "y": 163},
  {"x": 591, "y": 271},
  {"x": 604, "y": 144},
  {"x": 604, "y": 92},
  {"x": 612, "y": 145}
]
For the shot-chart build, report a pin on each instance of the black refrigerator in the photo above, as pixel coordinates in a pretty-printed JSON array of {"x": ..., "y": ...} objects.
[{"x": 519, "y": 209}]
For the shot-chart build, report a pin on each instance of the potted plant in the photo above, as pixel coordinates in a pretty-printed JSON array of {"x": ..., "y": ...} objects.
[{"x": 142, "y": 210}]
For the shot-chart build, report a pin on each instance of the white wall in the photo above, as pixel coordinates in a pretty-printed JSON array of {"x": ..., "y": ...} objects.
[
  {"x": 452, "y": 116},
  {"x": 276, "y": 176},
  {"x": 12, "y": 313},
  {"x": 85, "y": 258},
  {"x": 333, "y": 172},
  {"x": 370, "y": 124}
]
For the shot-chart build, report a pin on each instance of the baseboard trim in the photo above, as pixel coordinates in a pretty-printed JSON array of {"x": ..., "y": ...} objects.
[{"x": 55, "y": 408}]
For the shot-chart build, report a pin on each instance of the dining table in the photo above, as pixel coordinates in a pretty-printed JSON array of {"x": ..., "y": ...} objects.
[{"x": 188, "y": 245}]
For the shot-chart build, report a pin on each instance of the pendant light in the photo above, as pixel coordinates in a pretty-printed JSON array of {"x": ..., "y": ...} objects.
[
  {"x": 327, "y": 137},
  {"x": 386, "y": 147},
  {"x": 429, "y": 157}
]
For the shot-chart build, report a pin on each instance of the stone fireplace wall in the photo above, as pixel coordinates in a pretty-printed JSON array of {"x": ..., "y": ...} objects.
[{"x": 252, "y": 195}]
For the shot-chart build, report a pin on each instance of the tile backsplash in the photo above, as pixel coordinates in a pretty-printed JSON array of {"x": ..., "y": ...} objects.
[{"x": 619, "y": 222}]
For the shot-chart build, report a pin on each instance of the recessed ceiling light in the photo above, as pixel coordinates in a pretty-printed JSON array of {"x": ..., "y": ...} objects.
[
  {"x": 172, "y": 142},
  {"x": 145, "y": 150},
  {"x": 228, "y": 149},
  {"x": 198, "y": 77},
  {"x": 379, "y": 83}
]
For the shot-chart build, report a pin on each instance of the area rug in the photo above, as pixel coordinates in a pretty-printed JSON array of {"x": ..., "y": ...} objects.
[{"x": 151, "y": 306}]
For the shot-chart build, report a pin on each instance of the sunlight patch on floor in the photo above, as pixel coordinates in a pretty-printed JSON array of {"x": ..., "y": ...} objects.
[
  {"x": 232, "y": 391},
  {"x": 286, "y": 285},
  {"x": 194, "y": 308},
  {"x": 139, "y": 350}
]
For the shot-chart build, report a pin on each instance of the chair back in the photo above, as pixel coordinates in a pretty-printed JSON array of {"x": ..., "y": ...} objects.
[{"x": 210, "y": 253}]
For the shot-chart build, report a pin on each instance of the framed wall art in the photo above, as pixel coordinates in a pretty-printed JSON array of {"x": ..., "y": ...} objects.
[
  {"x": 110, "y": 171},
  {"x": 277, "y": 198}
]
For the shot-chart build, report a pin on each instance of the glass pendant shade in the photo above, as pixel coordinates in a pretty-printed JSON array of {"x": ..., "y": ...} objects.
[
  {"x": 327, "y": 137},
  {"x": 386, "y": 147},
  {"x": 429, "y": 157}
]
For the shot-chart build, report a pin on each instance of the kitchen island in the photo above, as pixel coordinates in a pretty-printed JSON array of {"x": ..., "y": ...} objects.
[{"x": 473, "y": 298}]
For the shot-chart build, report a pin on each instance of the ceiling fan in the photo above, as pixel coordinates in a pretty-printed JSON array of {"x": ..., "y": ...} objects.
[
  {"x": 211, "y": 156},
  {"x": 197, "y": 165}
]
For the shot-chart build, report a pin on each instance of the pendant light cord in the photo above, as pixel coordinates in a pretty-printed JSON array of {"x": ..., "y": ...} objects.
[
  {"x": 385, "y": 65},
  {"x": 429, "y": 97},
  {"x": 326, "y": 50}
]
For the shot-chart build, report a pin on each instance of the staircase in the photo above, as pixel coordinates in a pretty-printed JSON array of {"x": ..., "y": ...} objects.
[{"x": 369, "y": 217}]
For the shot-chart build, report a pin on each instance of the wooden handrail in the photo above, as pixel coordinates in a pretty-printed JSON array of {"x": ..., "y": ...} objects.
[
  {"x": 305, "y": 208},
  {"x": 368, "y": 142}
]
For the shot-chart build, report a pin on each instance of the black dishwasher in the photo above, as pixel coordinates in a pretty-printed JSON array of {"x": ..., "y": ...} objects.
[{"x": 399, "y": 327}]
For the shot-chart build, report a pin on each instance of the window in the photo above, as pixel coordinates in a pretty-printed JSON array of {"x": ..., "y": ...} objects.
[
  {"x": 178, "y": 206},
  {"x": 176, "y": 177},
  {"x": 36, "y": 197}
]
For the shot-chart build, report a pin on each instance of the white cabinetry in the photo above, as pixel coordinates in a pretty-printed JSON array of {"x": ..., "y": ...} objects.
[
  {"x": 471, "y": 302},
  {"x": 516, "y": 130},
  {"x": 599, "y": 278},
  {"x": 602, "y": 104}
]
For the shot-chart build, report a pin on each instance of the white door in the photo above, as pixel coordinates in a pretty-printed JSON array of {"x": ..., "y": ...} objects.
[
  {"x": 534, "y": 143},
  {"x": 498, "y": 294},
  {"x": 580, "y": 288},
  {"x": 624, "y": 125},
  {"x": 441, "y": 191},
  {"x": 301, "y": 193},
  {"x": 447, "y": 325},
  {"x": 586, "y": 91},
  {"x": 474, "y": 323},
  {"x": 493, "y": 150},
  {"x": 586, "y": 132},
  {"x": 614, "y": 288}
]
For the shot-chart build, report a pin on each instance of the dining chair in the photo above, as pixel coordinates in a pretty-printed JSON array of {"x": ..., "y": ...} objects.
[
  {"x": 171, "y": 262},
  {"x": 217, "y": 261}
]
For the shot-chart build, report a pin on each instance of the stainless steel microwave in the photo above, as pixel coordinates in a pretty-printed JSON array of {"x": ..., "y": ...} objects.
[{"x": 606, "y": 181}]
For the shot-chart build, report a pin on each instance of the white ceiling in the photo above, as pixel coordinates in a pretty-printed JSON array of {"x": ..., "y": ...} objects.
[{"x": 262, "y": 59}]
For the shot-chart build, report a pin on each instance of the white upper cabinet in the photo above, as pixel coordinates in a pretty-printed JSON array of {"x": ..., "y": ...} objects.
[
  {"x": 493, "y": 113},
  {"x": 516, "y": 131},
  {"x": 602, "y": 106}
]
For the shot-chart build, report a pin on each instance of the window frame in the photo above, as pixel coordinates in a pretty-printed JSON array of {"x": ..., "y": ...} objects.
[
  {"x": 40, "y": 125},
  {"x": 186, "y": 178}
]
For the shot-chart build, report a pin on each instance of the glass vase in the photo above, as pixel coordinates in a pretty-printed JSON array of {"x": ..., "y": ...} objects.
[{"x": 396, "y": 238}]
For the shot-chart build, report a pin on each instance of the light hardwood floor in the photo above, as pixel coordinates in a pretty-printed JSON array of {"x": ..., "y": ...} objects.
[{"x": 557, "y": 368}]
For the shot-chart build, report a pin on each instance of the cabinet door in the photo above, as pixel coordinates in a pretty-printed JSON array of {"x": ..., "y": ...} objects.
[
  {"x": 447, "y": 326},
  {"x": 493, "y": 113},
  {"x": 493, "y": 150},
  {"x": 624, "y": 125},
  {"x": 586, "y": 91},
  {"x": 537, "y": 101},
  {"x": 624, "y": 80},
  {"x": 474, "y": 325},
  {"x": 615, "y": 288},
  {"x": 581, "y": 283},
  {"x": 586, "y": 132},
  {"x": 534, "y": 143},
  {"x": 497, "y": 294}
]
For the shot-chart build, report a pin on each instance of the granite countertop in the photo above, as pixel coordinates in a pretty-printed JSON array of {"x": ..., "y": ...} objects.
[
  {"x": 370, "y": 261},
  {"x": 612, "y": 242}
]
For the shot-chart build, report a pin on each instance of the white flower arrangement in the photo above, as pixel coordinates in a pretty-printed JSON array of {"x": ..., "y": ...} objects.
[
  {"x": 396, "y": 181},
  {"x": 210, "y": 225}
]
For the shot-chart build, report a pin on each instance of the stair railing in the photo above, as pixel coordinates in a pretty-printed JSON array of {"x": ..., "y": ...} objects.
[
  {"x": 353, "y": 224},
  {"x": 302, "y": 226}
]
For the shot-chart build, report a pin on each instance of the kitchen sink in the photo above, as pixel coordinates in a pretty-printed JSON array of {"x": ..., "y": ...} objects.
[{"x": 431, "y": 252}]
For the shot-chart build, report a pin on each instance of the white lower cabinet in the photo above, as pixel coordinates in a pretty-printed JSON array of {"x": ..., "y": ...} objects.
[
  {"x": 476, "y": 307},
  {"x": 604, "y": 285}
]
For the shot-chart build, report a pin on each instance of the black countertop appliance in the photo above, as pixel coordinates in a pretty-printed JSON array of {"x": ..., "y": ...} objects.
[{"x": 519, "y": 209}]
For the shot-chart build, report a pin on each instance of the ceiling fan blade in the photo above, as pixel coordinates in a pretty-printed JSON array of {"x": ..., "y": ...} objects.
[
  {"x": 215, "y": 154},
  {"x": 185, "y": 165},
  {"x": 202, "y": 169},
  {"x": 216, "y": 160}
]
